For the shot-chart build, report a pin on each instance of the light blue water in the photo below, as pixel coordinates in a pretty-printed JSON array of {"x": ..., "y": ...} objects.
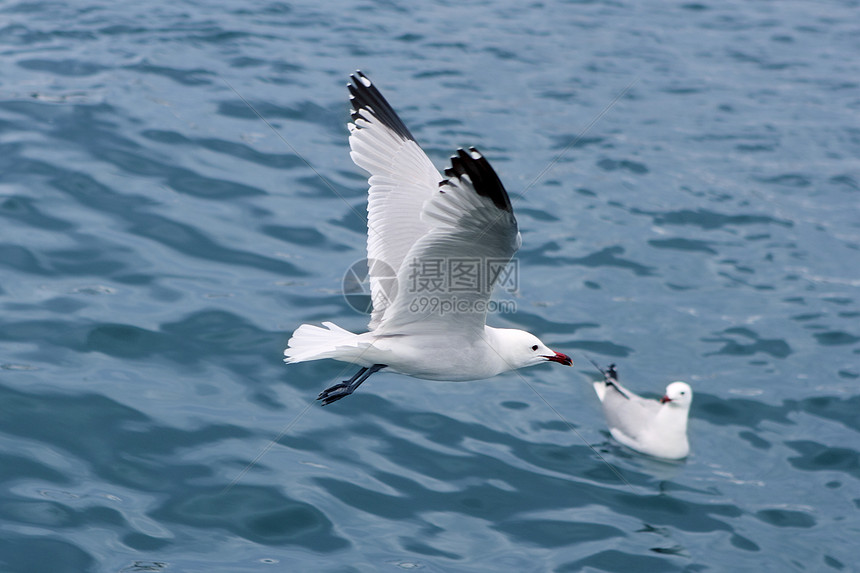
[{"x": 159, "y": 243}]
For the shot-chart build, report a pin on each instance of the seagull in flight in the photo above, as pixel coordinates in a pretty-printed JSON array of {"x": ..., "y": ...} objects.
[
  {"x": 654, "y": 428},
  {"x": 421, "y": 225}
]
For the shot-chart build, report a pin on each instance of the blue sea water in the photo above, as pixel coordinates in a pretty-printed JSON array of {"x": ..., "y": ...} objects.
[{"x": 686, "y": 177}]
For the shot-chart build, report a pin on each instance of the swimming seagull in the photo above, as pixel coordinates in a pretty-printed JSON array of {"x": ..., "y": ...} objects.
[
  {"x": 424, "y": 227},
  {"x": 655, "y": 428}
]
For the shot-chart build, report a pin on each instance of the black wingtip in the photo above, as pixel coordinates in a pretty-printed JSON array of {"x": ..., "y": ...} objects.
[
  {"x": 610, "y": 376},
  {"x": 483, "y": 177},
  {"x": 367, "y": 102},
  {"x": 612, "y": 372}
]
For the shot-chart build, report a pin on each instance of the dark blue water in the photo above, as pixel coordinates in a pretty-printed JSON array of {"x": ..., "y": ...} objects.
[{"x": 699, "y": 220}]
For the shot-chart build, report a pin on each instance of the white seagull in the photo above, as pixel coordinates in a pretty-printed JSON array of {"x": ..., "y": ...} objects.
[
  {"x": 655, "y": 428},
  {"x": 424, "y": 226}
]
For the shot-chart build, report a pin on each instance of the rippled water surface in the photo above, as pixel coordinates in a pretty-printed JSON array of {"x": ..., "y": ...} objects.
[{"x": 687, "y": 183}]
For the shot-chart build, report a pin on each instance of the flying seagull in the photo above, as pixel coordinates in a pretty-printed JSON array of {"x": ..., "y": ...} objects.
[{"x": 422, "y": 225}]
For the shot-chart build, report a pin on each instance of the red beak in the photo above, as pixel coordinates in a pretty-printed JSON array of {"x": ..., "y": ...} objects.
[
  {"x": 560, "y": 358},
  {"x": 665, "y": 399}
]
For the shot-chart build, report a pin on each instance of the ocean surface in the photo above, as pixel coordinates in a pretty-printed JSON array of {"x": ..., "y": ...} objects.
[{"x": 177, "y": 196}]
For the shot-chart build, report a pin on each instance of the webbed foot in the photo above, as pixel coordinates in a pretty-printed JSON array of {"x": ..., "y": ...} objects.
[
  {"x": 335, "y": 393},
  {"x": 347, "y": 387}
]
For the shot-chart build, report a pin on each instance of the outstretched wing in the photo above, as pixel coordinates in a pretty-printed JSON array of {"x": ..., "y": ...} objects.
[
  {"x": 446, "y": 279},
  {"x": 402, "y": 179}
]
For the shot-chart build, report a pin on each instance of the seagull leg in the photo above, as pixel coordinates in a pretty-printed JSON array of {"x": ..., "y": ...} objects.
[
  {"x": 347, "y": 387},
  {"x": 339, "y": 389}
]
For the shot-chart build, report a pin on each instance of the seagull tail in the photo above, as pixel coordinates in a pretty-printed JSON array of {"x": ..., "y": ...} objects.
[{"x": 311, "y": 342}]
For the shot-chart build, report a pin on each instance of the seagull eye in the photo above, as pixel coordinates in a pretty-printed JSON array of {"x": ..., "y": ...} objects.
[{"x": 534, "y": 347}]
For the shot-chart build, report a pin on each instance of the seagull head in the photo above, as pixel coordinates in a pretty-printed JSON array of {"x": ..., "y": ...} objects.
[
  {"x": 678, "y": 394},
  {"x": 520, "y": 349}
]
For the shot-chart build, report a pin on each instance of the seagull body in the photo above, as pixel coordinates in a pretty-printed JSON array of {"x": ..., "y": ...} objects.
[
  {"x": 419, "y": 224},
  {"x": 655, "y": 428}
]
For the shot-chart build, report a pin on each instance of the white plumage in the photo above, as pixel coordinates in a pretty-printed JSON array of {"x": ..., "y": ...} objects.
[
  {"x": 656, "y": 428},
  {"x": 416, "y": 219}
]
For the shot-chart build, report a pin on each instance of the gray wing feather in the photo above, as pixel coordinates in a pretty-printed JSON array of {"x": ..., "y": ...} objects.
[{"x": 626, "y": 412}]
